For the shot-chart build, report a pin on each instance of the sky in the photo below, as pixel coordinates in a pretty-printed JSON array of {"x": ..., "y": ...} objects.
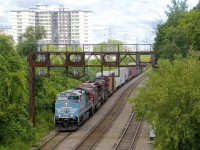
[{"x": 130, "y": 21}]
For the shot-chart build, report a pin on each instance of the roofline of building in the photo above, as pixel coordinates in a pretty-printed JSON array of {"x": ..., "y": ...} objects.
[{"x": 49, "y": 10}]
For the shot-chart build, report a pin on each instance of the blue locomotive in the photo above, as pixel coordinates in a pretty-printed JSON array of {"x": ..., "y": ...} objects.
[{"x": 72, "y": 107}]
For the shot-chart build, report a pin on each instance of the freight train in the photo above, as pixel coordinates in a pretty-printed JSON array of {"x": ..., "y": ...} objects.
[{"x": 73, "y": 107}]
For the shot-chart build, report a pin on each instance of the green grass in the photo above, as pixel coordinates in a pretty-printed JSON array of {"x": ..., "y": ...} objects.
[{"x": 44, "y": 124}]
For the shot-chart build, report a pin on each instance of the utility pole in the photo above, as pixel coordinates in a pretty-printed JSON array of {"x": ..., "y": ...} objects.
[
  {"x": 109, "y": 34},
  {"x": 125, "y": 37}
]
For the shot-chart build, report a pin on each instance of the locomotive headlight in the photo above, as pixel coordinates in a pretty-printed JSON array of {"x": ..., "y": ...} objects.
[{"x": 66, "y": 104}]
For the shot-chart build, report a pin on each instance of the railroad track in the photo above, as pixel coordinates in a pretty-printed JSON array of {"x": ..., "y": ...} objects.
[
  {"x": 129, "y": 137},
  {"x": 54, "y": 141},
  {"x": 97, "y": 133}
]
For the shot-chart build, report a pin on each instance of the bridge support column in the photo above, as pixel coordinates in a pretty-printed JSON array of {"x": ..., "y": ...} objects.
[
  {"x": 31, "y": 95},
  {"x": 138, "y": 68}
]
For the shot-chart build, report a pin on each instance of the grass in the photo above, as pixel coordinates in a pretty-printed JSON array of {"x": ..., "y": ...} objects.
[{"x": 44, "y": 124}]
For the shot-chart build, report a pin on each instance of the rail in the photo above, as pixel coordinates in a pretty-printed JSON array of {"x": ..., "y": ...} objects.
[
  {"x": 128, "y": 137},
  {"x": 53, "y": 142}
]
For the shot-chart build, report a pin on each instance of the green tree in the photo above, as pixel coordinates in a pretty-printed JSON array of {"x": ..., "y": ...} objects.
[
  {"x": 48, "y": 88},
  {"x": 14, "y": 122},
  {"x": 176, "y": 11},
  {"x": 197, "y": 7},
  {"x": 29, "y": 40},
  {"x": 170, "y": 101},
  {"x": 169, "y": 39},
  {"x": 189, "y": 24},
  {"x": 110, "y": 45}
]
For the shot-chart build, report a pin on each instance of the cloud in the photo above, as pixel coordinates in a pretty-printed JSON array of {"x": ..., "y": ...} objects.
[{"x": 132, "y": 17}]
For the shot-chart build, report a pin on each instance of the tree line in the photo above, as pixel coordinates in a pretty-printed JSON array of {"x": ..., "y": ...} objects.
[{"x": 170, "y": 98}]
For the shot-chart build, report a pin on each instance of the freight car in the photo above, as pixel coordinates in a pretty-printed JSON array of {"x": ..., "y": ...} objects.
[
  {"x": 121, "y": 75},
  {"x": 74, "y": 106},
  {"x": 132, "y": 70}
]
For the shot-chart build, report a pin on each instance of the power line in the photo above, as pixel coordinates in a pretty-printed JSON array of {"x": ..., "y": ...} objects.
[{"x": 109, "y": 35}]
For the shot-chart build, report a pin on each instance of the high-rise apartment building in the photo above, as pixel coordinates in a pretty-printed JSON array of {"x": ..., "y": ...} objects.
[{"x": 63, "y": 26}]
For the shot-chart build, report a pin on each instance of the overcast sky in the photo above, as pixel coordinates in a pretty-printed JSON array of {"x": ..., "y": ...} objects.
[{"x": 130, "y": 21}]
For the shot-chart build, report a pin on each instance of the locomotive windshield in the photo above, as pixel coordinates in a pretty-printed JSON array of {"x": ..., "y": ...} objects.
[
  {"x": 73, "y": 98},
  {"x": 61, "y": 98}
]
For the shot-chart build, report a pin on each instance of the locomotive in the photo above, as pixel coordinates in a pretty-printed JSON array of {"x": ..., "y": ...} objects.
[{"x": 73, "y": 107}]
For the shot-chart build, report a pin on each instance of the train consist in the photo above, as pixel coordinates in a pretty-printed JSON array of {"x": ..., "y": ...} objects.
[{"x": 73, "y": 107}]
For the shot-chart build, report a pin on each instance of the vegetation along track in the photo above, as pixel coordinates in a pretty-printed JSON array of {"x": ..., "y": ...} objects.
[
  {"x": 54, "y": 141},
  {"x": 128, "y": 139},
  {"x": 98, "y": 131}
]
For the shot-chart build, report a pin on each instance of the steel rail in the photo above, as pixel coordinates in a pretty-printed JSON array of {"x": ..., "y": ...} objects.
[
  {"x": 94, "y": 135},
  {"x": 128, "y": 137},
  {"x": 136, "y": 135},
  {"x": 54, "y": 141}
]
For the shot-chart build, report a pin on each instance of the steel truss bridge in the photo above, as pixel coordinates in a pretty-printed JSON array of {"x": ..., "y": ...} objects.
[{"x": 78, "y": 57}]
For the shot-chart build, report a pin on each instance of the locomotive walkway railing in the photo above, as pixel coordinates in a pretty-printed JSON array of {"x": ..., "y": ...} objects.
[{"x": 79, "y": 56}]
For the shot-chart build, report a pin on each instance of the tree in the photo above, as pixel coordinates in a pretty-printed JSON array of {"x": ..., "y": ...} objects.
[
  {"x": 169, "y": 39},
  {"x": 170, "y": 101},
  {"x": 29, "y": 40},
  {"x": 5, "y": 48},
  {"x": 13, "y": 96},
  {"x": 176, "y": 11},
  {"x": 197, "y": 7},
  {"x": 48, "y": 88},
  {"x": 110, "y": 45},
  {"x": 189, "y": 24}
]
